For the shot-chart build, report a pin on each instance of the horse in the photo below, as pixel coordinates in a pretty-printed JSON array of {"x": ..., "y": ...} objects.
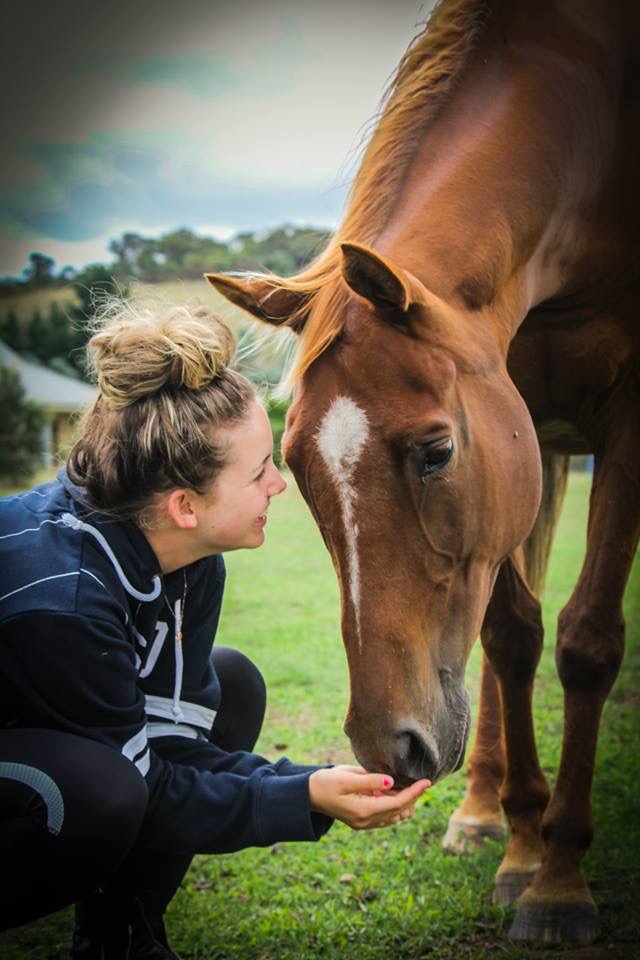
[{"x": 471, "y": 324}]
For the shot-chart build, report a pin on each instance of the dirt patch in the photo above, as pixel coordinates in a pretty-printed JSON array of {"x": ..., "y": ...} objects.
[
  {"x": 490, "y": 947},
  {"x": 338, "y": 755},
  {"x": 629, "y": 697}
]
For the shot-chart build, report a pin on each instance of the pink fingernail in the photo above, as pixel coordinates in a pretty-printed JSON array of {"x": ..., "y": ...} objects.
[{"x": 386, "y": 782}]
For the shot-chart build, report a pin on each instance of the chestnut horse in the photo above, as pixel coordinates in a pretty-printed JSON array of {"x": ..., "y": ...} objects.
[{"x": 473, "y": 323}]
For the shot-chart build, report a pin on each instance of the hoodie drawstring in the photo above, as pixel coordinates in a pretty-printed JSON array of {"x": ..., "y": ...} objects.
[
  {"x": 177, "y": 685},
  {"x": 75, "y": 523},
  {"x": 178, "y": 609}
]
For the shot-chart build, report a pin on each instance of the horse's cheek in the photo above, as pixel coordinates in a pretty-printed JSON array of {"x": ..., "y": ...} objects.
[
  {"x": 509, "y": 461},
  {"x": 522, "y": 482}
]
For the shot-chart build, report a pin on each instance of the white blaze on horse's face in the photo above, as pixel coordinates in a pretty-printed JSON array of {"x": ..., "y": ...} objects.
[{"x": 341, "y": 437}]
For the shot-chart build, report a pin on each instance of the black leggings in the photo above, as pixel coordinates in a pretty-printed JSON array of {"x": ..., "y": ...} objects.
[{"x": 64, "y": 832}]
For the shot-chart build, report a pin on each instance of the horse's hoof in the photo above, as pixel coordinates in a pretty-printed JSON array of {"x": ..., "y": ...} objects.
[
  {"x": 466, "y": 834},
  {"x": 510, "y": 885},
  {"x": 555, "y": 923}
]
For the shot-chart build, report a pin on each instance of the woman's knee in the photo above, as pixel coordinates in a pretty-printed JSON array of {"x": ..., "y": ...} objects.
[
  {"x": 72, "y": 787},
  {"x": 71, "y": 811},
  {"x": 236, "y": 670},
  {"x": 122, "y": 803},
  {"x": 243, "y": 701},
  {"x": 112, "y": 794}
]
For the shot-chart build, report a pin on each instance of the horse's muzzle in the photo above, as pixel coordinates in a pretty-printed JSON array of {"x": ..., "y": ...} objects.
[
  {"x": 415, "y": 756},
  {"x": 409, "y": 754},
  {"x": 410, "y": 750}
]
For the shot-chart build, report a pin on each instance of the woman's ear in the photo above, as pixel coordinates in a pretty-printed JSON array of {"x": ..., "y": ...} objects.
[{"x": 180, "y": 508}]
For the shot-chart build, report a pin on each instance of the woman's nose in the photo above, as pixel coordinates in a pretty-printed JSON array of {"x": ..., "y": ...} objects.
[
  {"x": 282, "y": 483},
  {"x": 279, "y": 484}
]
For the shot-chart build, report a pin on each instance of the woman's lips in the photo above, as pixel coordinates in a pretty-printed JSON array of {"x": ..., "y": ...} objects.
[{"x": 261, "y": 521}]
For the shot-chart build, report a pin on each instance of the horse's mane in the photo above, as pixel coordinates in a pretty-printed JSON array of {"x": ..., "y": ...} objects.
[{"x": 418, "y": 88}]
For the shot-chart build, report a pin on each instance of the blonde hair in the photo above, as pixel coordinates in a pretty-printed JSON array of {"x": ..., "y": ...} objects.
[{"x": 165, "y": 388}]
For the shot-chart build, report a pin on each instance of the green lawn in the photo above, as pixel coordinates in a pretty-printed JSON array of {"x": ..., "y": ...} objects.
[{"x": 369, "y": 896}]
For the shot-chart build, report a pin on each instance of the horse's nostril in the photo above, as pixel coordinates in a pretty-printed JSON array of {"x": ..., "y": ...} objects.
[{"x": 415, "y": 756}]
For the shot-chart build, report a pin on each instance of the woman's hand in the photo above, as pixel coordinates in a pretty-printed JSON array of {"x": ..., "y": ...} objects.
[{"x": 362, "y": 800}]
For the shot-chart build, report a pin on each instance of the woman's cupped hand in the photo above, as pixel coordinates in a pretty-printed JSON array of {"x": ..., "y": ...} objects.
[{"x": 362, "y": 800}]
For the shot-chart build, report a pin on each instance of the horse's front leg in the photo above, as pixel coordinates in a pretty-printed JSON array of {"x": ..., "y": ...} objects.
[
  {"x": 558, "y": 905},
  {"x": 512, "y": 638},
  {"x": 480, "y": 813}
]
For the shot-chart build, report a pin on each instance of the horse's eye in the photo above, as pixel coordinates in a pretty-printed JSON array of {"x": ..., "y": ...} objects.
[{"x": 434, "y": 455}]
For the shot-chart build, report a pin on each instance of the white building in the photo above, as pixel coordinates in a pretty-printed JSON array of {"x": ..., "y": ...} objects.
[{"x": 62, "y": 399}]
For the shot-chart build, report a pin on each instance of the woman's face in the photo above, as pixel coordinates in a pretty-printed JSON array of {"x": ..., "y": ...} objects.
[{"x": 234, "y": 514}]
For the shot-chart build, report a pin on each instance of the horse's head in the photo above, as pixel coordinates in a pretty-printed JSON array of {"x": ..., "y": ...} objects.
[{"x": 419, "y": 461}]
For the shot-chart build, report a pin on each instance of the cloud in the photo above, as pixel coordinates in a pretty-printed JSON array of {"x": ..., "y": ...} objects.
[
  {"x": 82, "y": 187},
  {"x": 81, "y": 190},
  {"x": 89, "y": 194},
  {"x": 243, "y": 115},
  {"x": 202, "y": 75},
  {"x": 92, "y": 208},
  {"x": 246, "y": 211}
]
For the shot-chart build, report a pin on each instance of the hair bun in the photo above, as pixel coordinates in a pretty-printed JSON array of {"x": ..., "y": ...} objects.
[{"x": 138, "y": 352}]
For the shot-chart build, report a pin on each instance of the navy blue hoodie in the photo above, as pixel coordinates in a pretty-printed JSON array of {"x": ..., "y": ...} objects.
[{"x": 89, "y": 645}]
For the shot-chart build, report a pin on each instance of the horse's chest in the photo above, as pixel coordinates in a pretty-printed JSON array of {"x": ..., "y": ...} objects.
[{"x": 562, "y": 374}]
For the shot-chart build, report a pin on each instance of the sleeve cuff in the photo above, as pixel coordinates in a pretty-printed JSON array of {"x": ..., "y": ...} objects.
[
  {"x": 284, "y": 813},
  {"x": 287, "y": 768}
]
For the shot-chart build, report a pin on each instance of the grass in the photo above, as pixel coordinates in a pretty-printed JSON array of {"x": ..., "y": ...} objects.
[{"x": 394, "y": 892}]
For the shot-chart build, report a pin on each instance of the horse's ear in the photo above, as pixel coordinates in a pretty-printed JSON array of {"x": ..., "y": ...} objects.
[
  {"x": 272, "y": 303},
  {"x": 374, "y": 277}
]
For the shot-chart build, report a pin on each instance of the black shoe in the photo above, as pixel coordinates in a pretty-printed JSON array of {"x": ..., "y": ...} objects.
[
  {"x": 111, "y": 928},
  {"x": 101, "y": 930},
  {"x": 148, "y": 936}
]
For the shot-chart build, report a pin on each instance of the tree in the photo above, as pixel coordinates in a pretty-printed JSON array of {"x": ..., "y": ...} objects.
[
  {"x": 59, "y": 332},
  {"x": 67, "y": 274},
  {"x": 176, "y": 245},
  {"x": 211, "y": 257},
  {"x": 128, "y": 250},
  {"x": 305, "y": 243},
  {"x": 20, "y": 430},
  {"x": 11, "y": 331},
  {"x": 39, "y": 273},
  {"x": 279, "y": 261},
  {"x": 92, "y": 286},
  {"x": 37, "y": 344}
]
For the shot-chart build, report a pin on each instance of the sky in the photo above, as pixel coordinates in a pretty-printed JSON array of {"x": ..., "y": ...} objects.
[{"x": 216, "y": 116}]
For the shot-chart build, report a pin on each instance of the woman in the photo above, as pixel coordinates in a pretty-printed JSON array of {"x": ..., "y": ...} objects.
[{"x": 125, "y": 744}]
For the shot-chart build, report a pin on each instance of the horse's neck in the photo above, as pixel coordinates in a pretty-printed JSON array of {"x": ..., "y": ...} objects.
[{"x": 492, "y": 211}]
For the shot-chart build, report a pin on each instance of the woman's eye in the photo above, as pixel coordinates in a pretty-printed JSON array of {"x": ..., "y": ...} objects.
[{"x": 434, "y": 455}]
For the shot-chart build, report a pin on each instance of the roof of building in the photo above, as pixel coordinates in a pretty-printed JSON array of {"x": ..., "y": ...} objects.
[{"x": 52, "y": 390}]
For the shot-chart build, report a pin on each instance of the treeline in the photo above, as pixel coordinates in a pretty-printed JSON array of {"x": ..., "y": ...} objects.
[
  {"x": 21, "y": 427},
  {"x": 179, "y": 255},
  {"x": 183, "y": 255},
  {"x": 56, "y": 332}
]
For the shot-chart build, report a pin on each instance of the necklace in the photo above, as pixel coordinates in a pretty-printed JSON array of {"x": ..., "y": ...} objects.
[{"x": 178, "y": 617}]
